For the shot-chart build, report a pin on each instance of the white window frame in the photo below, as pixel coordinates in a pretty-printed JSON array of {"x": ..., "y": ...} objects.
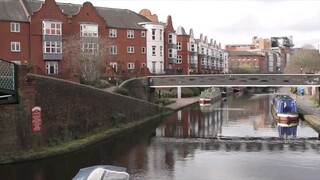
[
  {"x": 52, "y": 28},
  {"x": 130, "y": 49},
  {"x": 52, "y": 47},
  {"x": 170, "y": 38},
  {"x": 15, "y": 47},
  {"x": 143, "y": 50},
  {"x": 170, "y": 53},
  {"x": 130, "y": 65},
  {"x": 113, "y": 50},
  {"x": 89, "y": 48},
  {"x": 143, "y": 34},
  {"x": 179, "y": 46},
  {"x": 153, "y": 34},
  {"x": 130, "y": 34},
  {"x": 161, "y": 49},
  {"x": 54, "y": 65},
  {"x": 15, "y": 27},
  {"x": 179, "y": 59},
  {"x": 113, "y": 33},
  {"x": 89, "y": 30},
  {"x": 154, "y": 50}
]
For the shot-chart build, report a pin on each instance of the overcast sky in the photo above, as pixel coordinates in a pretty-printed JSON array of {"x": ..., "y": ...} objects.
[{"x": 233, "y": 22}]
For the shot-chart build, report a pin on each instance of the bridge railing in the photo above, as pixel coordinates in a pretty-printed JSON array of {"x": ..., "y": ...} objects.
[{"x": 8, "y": 82}]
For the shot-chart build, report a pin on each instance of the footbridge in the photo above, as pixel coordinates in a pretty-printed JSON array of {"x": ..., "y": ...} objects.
[
  {"x": 8, "y": 82},
  {"x": 234, "y": 80}
]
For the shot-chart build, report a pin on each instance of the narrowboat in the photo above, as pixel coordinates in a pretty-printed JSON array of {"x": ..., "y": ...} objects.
[
  {"x": 208, "y": 96},
  {"x": 284, "y": 111}
]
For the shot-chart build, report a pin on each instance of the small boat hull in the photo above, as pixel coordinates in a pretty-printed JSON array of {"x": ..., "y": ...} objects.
[
  {"x": 284, "y": 111},
  {"x": 205, "y": 102}
]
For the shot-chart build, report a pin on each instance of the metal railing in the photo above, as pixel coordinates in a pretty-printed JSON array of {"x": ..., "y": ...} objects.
[{"x": 8, "y": 82}]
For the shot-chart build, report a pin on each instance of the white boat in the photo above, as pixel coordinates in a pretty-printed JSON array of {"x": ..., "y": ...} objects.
[{"x": 208, "y": 96}]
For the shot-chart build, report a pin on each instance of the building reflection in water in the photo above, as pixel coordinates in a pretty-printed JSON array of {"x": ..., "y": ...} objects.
[{"x": 208, "y": 121}]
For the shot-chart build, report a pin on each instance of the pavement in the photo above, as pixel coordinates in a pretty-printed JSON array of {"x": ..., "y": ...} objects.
[{"x": 182, "y": 102}]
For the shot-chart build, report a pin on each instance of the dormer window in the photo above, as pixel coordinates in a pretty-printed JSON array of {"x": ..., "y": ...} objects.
[
  {"x": 89, "y": 30},
  {"x": 51, "y": 28}
]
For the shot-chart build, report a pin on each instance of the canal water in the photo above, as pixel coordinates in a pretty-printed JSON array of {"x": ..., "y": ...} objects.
[{"x": 235, "y": 138}]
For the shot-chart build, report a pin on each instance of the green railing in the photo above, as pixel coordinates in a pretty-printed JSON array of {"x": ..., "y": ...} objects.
[
  {"x": 7, "y": 75},
  {"x": 8, "y": 82}
]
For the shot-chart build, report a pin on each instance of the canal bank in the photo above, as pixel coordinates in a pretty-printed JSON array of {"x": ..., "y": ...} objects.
[{"x": 76, "y": 145}]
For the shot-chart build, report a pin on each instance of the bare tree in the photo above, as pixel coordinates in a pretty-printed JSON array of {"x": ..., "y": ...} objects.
[
  {"x": 87, "y": 55},
  {"x": 304, "y": 60}
]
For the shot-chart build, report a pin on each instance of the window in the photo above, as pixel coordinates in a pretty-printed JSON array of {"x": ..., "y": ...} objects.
[
  {"x": 143, "y": 50},
  {"x": 160, "y": 50},
  {"x": 113, "y": 33},
  {"x": 143, "y": 34},
  {"x": 114, "y": 66},
  {"x": 179, "y": 59},
  {"x": 153, "y": 67},
  {"x": 153, "y": 34},
  {"x": 52, "y": 47},
  {"x": 113, "y": 50},
  {"x": 15, "y": 46},
  {"x": 130, "y": 49},
  {"x": 170, "y": 55},
  {"x": 153, "y": 50},
  {"x": 130, "y": 34},
  {"x": 51, "y": 28},
  {"x": 130, "y": 65},
  {"x": 192, "y": 48},
  {"x": 15, "y": 27},
  {"x": 179, "y": 46},
  {"x": 89, "y": 48},
  {"x": 89, "y": 30},
  {"x": 170, "y": 39},
  {"x": 52, "y": 67},
  {"x": 160, "y": 35}
]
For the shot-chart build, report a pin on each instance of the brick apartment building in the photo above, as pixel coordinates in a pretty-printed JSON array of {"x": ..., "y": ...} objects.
[{"x": 38, "y": 33}]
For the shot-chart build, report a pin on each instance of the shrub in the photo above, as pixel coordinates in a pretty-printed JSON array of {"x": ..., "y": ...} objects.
[
  {"x": 120, "y": 90},
  {"x": 195, "y": 90}
]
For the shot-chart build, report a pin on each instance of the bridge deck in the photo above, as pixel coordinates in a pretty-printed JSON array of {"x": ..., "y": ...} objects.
[{"x": 241, "y": 80}]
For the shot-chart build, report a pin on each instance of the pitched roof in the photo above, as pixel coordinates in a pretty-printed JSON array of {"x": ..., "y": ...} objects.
[
  {"x": 114, "y": 18},
  {"x": 33, "y": 6},
  {"x": 121, "y": 18},
  {"x": 12, "y": 10},
  {"x": 181, "y": 31}
]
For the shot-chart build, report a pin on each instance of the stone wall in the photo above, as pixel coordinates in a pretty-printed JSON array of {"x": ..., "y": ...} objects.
[{"x": 69, "y": 111}]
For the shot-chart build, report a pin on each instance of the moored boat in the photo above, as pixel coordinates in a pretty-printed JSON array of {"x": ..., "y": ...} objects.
[
  {"x": 284, "y": 111},
  {"x": 208, "y": 96}
]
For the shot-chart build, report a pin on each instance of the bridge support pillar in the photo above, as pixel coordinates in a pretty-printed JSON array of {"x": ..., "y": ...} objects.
[{"x": 179, "y": 92}]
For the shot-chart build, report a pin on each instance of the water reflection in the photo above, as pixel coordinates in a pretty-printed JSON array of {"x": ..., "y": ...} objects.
[
  {"x": 237, "y": 134},
  {"x": 236, "y": 116}
]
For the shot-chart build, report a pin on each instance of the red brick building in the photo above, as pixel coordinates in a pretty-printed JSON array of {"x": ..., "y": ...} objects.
[
  {"x": 51, "y": 24},
  {"x": 170, "y": 47},
  {"x": 183, "y": 54},
  {"x": 14, "y": 32},
  {"x": 239, "y": 58}
]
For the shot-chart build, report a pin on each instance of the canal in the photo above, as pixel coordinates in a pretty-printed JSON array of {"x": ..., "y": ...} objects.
[{"x": 235, "y": 138}]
